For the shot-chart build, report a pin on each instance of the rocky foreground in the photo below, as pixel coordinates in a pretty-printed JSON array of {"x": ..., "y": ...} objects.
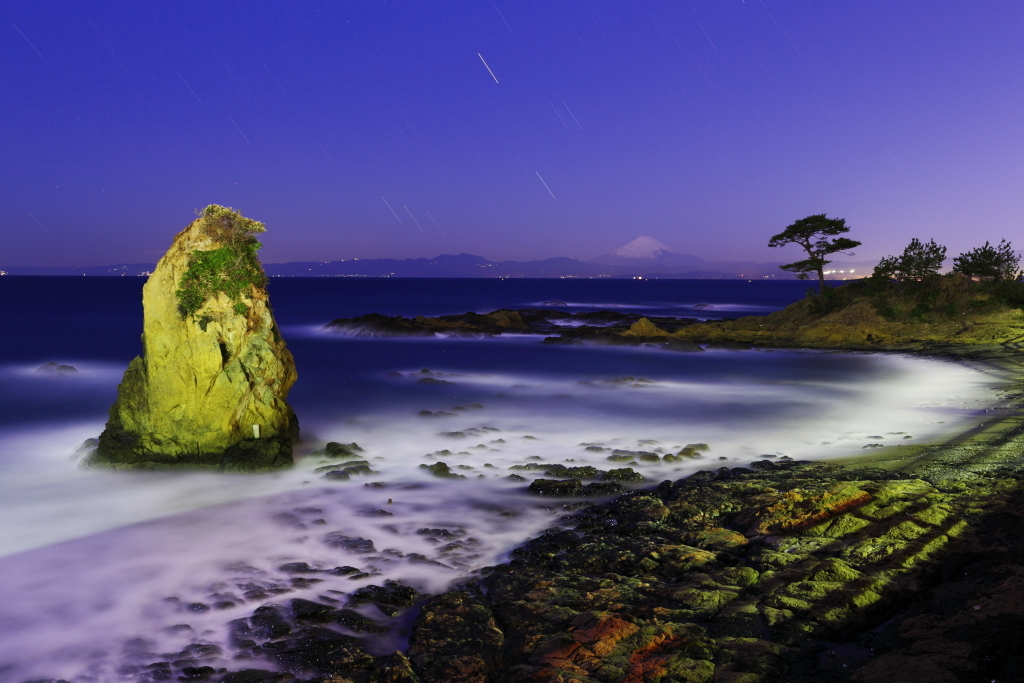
[{"x": 904, "y": 567}]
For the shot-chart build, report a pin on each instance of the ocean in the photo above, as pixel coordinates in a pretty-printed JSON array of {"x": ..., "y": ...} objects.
[{"x": 95, "y": 564}]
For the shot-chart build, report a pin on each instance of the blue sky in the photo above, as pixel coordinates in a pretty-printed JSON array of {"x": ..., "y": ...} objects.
[{"x": 374, "y": 128}]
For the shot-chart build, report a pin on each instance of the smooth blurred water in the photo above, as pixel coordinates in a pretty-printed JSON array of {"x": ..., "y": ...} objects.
[{"x": 88, "y": 558}]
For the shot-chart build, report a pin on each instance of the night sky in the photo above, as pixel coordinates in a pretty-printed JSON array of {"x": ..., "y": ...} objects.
[{"x": 373, "y": 128}]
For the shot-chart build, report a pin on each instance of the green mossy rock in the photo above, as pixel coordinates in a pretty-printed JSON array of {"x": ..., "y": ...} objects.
[
  {"x": 877, "y": 314},
  {"x": 441, "y": 469},
  {"x": 644, "y": 328},
  {"x": 209, "y": 377}
]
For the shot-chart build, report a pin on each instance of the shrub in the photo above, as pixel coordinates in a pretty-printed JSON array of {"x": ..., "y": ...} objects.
[
  {"x": 998, "y": 263},
  {"x": 232, "y": 268},
  {"x": 918, "y": 261},
  {"x": 932, "y": 300}
]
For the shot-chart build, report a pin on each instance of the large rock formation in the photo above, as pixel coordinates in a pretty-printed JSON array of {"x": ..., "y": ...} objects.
[{"x": 210, "y": 389}]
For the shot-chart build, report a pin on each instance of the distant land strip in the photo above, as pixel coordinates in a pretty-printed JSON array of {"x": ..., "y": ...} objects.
[{"x": 469, "y": 266}]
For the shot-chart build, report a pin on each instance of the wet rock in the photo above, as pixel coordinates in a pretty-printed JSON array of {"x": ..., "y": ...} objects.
[
  {"x": 627, "y": 474},
  {"x": 52, "y": 368},
  {"x": 446, "y": 534},
  {"x": 786, "y": 571},
  {"x": 342, "y": 450},
  {"x": 321, "y": 651},
  {"x": 196, "y": 673},
  {"x": 581, "y": 472},
  {"x": 682, "y": 345},
  {"x": 355, "y": 544},
  {"x": 602, "y": 488},
  {"x": 644, "y": 328},
  {"x": 456, "y": 640},
  {"x": 311, "y": 612},
  {"x": 439, "y": 413},
  {"x": 557, "y": 487},
  {"x": 390, "y": 598},
  {"x": 796, "y": 508},
  {"x": 257, "y": 676},
  {"x": 395, "y": 668},
  {"x": 631, "y": 381},
  {"x": 346, "y": 570},
  {"x": 269, "y": 622},
  {"x": 729, "y": 345},
  {"x": 440, "y": 469},
  {"x": 622, "y": 455},
  {"x": 344, "y": 471},
  {"x": 356, "y": 622}
]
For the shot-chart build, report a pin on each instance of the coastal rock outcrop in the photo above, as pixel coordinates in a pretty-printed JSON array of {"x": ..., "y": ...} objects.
[
  {"x": 950, "y": 311},
  {"x": 211, "y": 386}
]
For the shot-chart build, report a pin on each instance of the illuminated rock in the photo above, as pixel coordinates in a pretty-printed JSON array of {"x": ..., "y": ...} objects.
[{"x": 211, "y": 386}]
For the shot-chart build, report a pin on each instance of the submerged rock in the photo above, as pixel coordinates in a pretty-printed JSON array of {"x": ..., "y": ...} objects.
[
  {"x": 210, "y": 389},
  {"x": 342, "y": 450},
  {"x": 682, "y": 345},
  {"x": 52, "y": 368},
  {"x": 440, "y": 469}
]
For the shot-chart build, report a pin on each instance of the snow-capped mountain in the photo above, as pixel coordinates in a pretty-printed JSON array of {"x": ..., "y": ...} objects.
[
  {"x": 647, "y": 251},
  {"x": 645, "y": 248}
]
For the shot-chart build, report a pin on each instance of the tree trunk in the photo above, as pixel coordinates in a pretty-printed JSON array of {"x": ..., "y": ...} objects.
[{"x": 821, "y": 280}]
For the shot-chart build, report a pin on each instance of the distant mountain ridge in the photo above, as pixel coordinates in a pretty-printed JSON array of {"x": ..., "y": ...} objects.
[
  {"x": 469, "y": 265},
  {"x": 452, "y": 265},
  {"x": 118, "y": 269},
  {"x": 643, "y": 257}
]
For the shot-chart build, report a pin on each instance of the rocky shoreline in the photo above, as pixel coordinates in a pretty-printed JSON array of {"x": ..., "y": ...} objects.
[
  {"x": 902, "y": 565},
  {"x": 557, "y": 326},
  {"x": 905, "y": 564}
]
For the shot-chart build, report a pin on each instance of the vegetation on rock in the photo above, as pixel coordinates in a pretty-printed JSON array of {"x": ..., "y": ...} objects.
[
  {"x": 879, "y": 313},
  {"x": 932, "y": 300},
  {"x": 233, "y": 268},
  {"x": 645, "y": 328},
  {"x": 210, "y": 390}
]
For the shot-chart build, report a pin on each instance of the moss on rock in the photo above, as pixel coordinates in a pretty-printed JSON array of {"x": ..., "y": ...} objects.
[{"x": 210, "y": 390}]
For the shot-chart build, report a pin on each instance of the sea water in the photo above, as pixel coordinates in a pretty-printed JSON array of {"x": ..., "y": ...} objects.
[{"x": 92, "y": 560}]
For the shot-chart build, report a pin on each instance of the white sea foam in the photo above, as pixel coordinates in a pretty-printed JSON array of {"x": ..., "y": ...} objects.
[{"x": 91, "y": 557}]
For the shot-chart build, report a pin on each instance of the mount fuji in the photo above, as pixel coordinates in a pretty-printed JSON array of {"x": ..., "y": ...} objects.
[
  {"x": 647, "y": 251},
  {"x": 644, "y": 256}
]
